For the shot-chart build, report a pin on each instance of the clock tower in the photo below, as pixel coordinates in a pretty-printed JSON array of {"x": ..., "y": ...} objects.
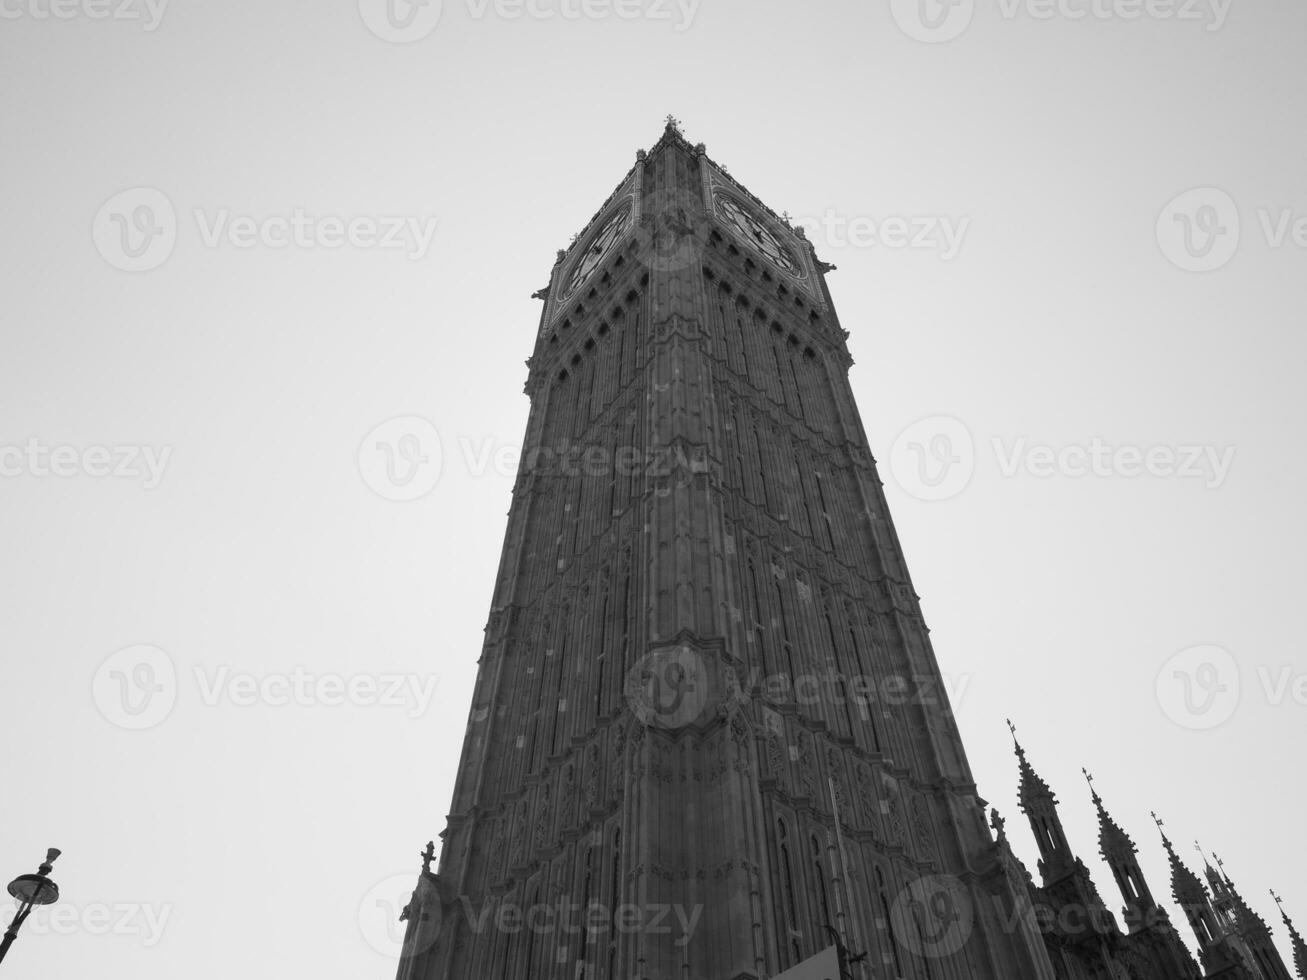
[{"x": 709, "y": 737}]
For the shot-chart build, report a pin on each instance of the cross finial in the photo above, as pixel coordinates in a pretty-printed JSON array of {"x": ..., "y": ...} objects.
[
  {"x": 1012, "y": 728},
  {"x": 673, "y": 123},
  {"x": 428, "y": 856},
  {"x": 1157, "y": 820},
  {"x": 1278, "y": 903},
  {"x": 1089, "y": 778}
]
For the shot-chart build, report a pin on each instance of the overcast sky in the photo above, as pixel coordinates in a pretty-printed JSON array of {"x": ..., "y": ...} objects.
[{"x": 239, "y": 237}]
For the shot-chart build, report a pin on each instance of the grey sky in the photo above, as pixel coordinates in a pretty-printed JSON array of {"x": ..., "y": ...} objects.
[{"x": 1041, "y": 153}]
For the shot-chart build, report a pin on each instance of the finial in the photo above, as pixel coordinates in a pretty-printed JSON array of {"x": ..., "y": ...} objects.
[
  {"x": 1016, "y": 741},
  {"x": 674, "y": 124},
  {"x": 51, "y": 855},
  {"x": 1199, "y": 848},
  {"x": 1279, "y": 904},
  {"x": 1160, "y": 823},
  {"x": 1219, "y": 863},
  {"x": 428, "y": 856}
]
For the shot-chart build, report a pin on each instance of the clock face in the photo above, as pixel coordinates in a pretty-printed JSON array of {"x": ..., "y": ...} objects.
[
  {"x": 600, "y": 245},
  {"x": 757, "y": 233}
]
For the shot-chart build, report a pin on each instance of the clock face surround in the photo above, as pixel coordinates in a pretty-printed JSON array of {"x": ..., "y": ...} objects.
[
  {"x": 747, "y": 225},
  {"x": 601, "y": 243}
]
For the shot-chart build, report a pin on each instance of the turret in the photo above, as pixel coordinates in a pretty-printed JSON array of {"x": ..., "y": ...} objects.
[
  {"x": 1250, "y": 927},
  {"x": 1218, "y": 949},
  {"x": 1040, "y": 807},
  {"x": 1121, "y": 855}
]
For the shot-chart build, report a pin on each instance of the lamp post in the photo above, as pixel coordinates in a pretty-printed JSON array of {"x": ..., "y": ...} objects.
[{"x": 30, "y": 890}]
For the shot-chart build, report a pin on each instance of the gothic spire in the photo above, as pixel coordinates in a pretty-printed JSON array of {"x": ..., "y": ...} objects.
[
  {"x": 1113, "y": 842},
  {"x": 1295, "y": 938},
  {"x": 1186, "y": 887},
  {"x": 1032, "y": 786},
  {"x": 1121, "y": 855},
  {"x": 1040, "y": 807}
]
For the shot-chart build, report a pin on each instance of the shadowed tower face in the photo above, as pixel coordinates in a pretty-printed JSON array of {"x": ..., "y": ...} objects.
[{"x": 709, "y": 733}]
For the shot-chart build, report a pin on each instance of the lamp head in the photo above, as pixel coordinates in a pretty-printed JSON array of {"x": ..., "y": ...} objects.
[{"x": 34, "y": 890}]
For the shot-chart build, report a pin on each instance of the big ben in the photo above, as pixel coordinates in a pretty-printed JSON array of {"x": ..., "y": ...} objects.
[{"x": 709, "y": 738}]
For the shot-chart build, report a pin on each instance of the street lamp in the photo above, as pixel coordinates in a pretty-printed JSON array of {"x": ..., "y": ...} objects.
[{"x": 30, "y": 890}]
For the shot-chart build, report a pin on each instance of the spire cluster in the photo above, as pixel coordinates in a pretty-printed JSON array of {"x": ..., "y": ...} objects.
[{"x": 1233, "y": 940}]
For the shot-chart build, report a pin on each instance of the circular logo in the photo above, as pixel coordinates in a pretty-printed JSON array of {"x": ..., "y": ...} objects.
[
  {"x": 673, "y": 231},
  {"x": 1199, "y": 230},
  {"x": 136, "y": 231},
  {"x": 136, "y": 688},
  {"x": 934, "y": 459},
  {"x": 380, "y": 912},
  {"x": 401, "y": 459},
  {"x": 933, "y": 917},
  {"x": 668, "y": 688},
  {"x": 933, "y": 21},
  {"x": 400, "y": 21},
  {"x": 1199, "y": 688}
]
